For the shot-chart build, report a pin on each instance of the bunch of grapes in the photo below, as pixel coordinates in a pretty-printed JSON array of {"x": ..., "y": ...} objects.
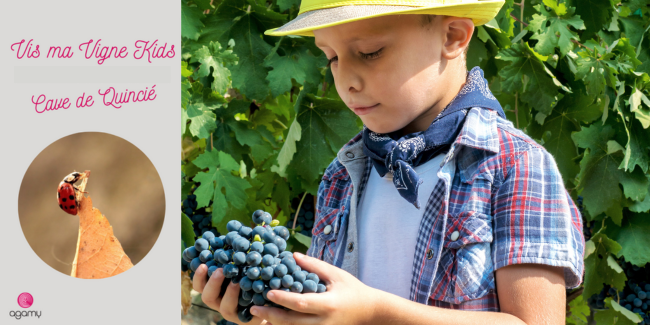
[
  {"x": 305, "y": 221},
  {"x": 256, "y": 258},
  {"x": 635, "y": 296},
  {"x": 201, "y": 220}
]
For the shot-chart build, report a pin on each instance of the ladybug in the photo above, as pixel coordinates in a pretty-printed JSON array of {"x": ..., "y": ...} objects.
[{"x": 66, "y": 193}]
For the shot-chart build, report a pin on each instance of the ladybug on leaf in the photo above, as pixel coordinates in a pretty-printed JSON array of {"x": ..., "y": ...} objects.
[{"x": 66, "y": 193}]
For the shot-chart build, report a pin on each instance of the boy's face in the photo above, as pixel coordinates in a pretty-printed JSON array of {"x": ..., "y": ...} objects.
[{"x": 395, "y": 66}]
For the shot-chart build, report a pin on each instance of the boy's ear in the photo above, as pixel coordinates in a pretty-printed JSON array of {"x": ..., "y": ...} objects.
[{"x": 457, "y": 33}]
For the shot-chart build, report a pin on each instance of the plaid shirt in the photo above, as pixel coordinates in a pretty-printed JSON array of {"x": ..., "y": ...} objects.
[{"x": 500, "y": 200}]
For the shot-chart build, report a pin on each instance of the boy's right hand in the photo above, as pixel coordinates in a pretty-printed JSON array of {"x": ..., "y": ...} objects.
[{"x": 210, "y": 293}]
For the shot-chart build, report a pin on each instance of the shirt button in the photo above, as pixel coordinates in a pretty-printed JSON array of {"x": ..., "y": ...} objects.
[
  {"x": 350, "y": 247},
  {"x": 454, "y": 235},
  {"x": 328, "y": 229},
  {"x": 429, "y": 254},
  {"x": 349, "y": 154}
]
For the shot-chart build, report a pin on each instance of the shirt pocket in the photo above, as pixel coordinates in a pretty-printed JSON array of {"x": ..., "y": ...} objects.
[
  {"x": 325, "y": 231},
  {"x": 466, "y": 264}
]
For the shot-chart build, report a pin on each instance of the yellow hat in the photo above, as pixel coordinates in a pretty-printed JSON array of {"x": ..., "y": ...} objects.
[{"x": 317, "y": 14}]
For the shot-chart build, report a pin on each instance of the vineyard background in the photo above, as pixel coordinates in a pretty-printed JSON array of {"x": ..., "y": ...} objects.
[{"x": 261, "y": 121}]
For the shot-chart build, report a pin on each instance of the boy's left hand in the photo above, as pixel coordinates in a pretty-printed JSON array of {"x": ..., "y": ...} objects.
[{"x": 346, "y": 301}]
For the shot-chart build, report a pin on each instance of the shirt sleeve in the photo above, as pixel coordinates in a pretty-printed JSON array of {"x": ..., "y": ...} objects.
[
  {"x": 316, "y": 246},
  {"x": 535, "y": 219}
]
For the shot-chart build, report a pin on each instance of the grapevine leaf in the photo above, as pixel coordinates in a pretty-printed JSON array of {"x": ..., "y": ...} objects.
[
  {"x": 641, "y": 206},
  {"x": 213, "y": 57},
  {"x": 224, "y": 141},
  {"x": 540, "y": 91},
  {"x": 644, "y": 55},
  {"x": 244, "y": 134},
  {"x": 642, "y": 113},
  {"x": 281, "y": 106},
  {"x": 597, "y": 269},
  {"x": 594, "y": 71},
  {"x": 579, "y": 311},
  {"x": 616, "y": 314},
  {"x": 303, "y": 239},
  {"x": 599, "y": 174},
  {"x": 203, "y": 120},
  {"x": 505, "y": 21},
  {"x": 636, "y": 150},
  {"x": 596, "y": 14},
  {"x": 287, "y": 4},
  {"x": 187, "y": 231},
  {"x": 557, "y": 33},
  {"x": 478, "y": 54},
  {"x": 634, "y": 28},
  {"x": 185, "y": 93},
  {"x": 298, "y": 64},
  {"x": 244, "y": 22},
  {"x": 626, "y": 61},
  {"x": 219, "y": 178},
  {"x": 288, "y": 148},
  {"x": 205, "y": 4},
  {"x": 191, "y": 24},
  {"x": 326, "y": 126},
  {"x": 562, "y": 123},
  {"x": 281, "y": 194},
  {"x": 185, "y": 72},
  {"x": 632, "y": 235}
]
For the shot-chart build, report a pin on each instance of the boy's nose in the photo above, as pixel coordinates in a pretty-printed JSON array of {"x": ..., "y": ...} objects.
[{"x": 348, "y": 77}]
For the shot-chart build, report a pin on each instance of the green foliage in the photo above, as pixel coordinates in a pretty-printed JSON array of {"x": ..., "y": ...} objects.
[{"x": 261, "y": 119}]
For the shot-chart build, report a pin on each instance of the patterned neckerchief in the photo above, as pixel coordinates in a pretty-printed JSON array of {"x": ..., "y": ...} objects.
[{"x": 400, "y": 156}]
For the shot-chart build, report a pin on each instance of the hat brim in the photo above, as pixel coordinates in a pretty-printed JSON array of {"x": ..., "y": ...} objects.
[{"x": 480, "y": 12}]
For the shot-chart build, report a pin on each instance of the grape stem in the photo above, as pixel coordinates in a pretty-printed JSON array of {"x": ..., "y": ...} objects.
[{"x": 295, "y": 217}]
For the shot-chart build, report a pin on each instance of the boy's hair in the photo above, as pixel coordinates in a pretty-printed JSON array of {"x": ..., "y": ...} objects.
[{"x": 426, "y": 20}]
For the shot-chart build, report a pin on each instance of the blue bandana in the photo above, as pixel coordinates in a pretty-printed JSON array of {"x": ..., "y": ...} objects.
[{"x": 400, "y": 156}]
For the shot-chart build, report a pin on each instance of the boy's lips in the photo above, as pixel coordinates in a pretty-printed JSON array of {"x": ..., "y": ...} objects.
[{"x": 362, "y": 110}]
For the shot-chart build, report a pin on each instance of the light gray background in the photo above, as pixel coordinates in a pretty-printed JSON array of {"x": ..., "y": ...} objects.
[{"x": 149, "y": 292}]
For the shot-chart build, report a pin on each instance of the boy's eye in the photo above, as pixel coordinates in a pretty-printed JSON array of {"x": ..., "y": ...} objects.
[
  {"x": 363, "y": 55},
  {"x": 371, "y": 55}
]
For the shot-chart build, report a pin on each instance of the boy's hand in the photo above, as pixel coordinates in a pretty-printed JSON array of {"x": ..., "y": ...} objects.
[
  {"x": 211, "y": 289},
  {"x": 346, "y": 301}
]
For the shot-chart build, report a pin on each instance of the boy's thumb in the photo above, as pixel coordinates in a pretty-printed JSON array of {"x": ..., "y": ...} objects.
[{"x": 324, "y": 270}]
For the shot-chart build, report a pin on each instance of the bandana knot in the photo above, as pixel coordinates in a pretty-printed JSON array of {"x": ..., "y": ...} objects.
[{"x": 411, "y": 150}]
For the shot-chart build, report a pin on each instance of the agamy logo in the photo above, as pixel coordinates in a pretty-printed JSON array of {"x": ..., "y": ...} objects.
[{"x": 25, "y": 300}]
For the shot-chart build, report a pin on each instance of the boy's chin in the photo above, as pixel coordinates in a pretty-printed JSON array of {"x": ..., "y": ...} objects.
[{"x": 382, "y": 129}]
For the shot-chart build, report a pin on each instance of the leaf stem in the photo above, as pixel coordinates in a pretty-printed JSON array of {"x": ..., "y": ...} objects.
[
  {"x": 578, "y": 43},
  {"x": 277, "y": 121},
  {"x": 516, "y": 108},
  {"x": 295, "y": 218},
  {"x": 521, "y": 27}
]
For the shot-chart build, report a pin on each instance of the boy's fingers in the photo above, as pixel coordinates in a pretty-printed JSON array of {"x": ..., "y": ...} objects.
[
  {"x": 309, "y": 303},
  {"x": 229, "y": 301},
  {"x": 280, "y": 316},
  {"x": 212, "y": 290},
  {"x": 325, "y": 271},
  {"x": 200, "y": 278}
]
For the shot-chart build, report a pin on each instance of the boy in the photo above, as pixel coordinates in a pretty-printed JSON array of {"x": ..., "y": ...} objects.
[{"x": 496, "y": 217}]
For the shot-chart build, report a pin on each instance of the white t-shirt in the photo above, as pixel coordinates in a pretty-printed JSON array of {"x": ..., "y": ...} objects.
[{"x": 388, "y": 227}]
